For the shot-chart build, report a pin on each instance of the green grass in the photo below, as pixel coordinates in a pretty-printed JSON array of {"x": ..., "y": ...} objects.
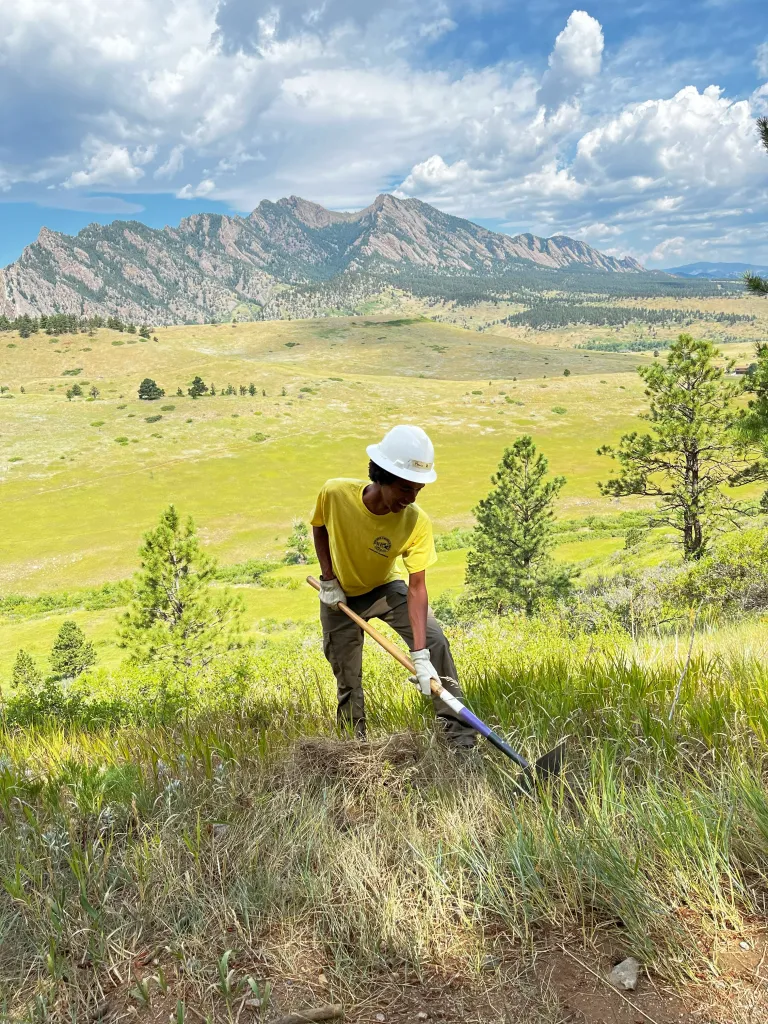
[{"x": 232, "y": 817}]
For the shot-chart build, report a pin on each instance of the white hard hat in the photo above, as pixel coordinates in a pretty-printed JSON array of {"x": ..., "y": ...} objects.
[{"x": 406, "y": 452}]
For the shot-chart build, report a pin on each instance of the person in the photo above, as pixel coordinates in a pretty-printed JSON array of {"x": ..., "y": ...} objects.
[{"x": 359, "y": 529}]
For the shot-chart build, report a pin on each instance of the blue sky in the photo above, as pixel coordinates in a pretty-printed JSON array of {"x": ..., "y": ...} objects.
[{"x": 628, "y": 125}]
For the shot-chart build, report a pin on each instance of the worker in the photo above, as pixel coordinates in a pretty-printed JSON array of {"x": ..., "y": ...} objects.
[{"x": 359, "y": 529}]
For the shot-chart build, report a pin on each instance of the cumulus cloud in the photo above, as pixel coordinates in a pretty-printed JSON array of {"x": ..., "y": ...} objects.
[
  {"x": 575, "y": 59},
  {"x": 111, "y": 165},
  {"x": 669, "y": 247},
  {"x": 206, "y": 187},
  {"x": 693, "y": 138}
]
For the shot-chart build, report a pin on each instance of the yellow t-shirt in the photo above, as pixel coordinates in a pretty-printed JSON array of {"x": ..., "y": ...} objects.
[{"x": 364, "y": 546}]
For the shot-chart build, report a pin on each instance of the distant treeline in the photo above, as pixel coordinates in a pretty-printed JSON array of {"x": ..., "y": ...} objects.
[
  {"x": 68, "y": 323},
  {"x": 551, "y": 313},
  {"x": 524, "y": 283}
]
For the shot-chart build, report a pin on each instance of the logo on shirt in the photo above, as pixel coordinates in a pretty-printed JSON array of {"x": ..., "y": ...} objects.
[{"x": 381, "y": 546}]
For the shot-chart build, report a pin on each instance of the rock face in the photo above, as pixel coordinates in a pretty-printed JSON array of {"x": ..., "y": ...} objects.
[{"x": 210, "y": 264}]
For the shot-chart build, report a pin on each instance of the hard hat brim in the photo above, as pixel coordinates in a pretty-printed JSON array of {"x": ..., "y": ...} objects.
[{"x": 413, "y": 476}]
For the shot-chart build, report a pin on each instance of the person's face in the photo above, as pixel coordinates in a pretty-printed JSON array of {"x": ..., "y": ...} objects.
[{"x": 399, "y": 495}]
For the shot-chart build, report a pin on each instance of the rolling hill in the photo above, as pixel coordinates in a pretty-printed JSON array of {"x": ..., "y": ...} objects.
[{"x": 211, "y": 264}]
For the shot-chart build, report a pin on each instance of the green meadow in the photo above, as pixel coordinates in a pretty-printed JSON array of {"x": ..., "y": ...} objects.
[{"x": 82, "y": 480}]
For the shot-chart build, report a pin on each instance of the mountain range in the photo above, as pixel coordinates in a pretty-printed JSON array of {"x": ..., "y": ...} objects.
[
  {"x": 716, "y": 271},
  {"x": 212, "y": 264}
]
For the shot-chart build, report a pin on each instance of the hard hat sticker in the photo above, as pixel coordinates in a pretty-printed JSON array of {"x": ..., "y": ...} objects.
[{"x": 420, "y": 465}]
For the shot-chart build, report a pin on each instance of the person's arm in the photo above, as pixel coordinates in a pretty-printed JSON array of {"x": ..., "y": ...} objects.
[
  {"x": 418, "y": 605},
  {"x": 323, "y": 550}
]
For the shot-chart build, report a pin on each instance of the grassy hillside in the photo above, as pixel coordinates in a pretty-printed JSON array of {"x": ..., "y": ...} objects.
[
  {"x": 204, "y": 846},
  {"x": 76, "y": 497},
  {"x": 81, "y": 480},
  {"x": 179, "y": 825}
]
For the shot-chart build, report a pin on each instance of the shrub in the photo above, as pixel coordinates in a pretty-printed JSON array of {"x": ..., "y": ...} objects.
[
  {"x": 559, "y": 410},
  {"x": 167, "y": 408},
  {"x": 153, "y": 419},
  {"x": 258, "y": 437},
  {"x": 121, "y": 440},
  {"x": 98, "y": 423},
  {"x": 72, "y": 373}
]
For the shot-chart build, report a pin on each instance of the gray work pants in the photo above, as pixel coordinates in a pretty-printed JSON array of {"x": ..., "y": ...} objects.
[{"x": 343, "y": 646}]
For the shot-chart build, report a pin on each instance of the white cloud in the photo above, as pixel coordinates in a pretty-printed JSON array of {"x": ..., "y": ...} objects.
[
  {"x": 173, "y": 164},
  {"x": 669, "y": 247},
  {"x": 110, "y": 165},
  {"x": 693, "y": 138},
  {"x": 432, "y": 30},
  {"x": 599, "y": 231},
  {"x": 204, "y": 188},
  {"x": 575, "y": 59}
]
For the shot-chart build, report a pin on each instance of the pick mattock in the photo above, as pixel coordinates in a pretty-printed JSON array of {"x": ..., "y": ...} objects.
[{"x": 548, "y": 764}]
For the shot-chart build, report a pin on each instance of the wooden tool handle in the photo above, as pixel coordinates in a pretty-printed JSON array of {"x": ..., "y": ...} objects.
[{"x": 393, "y": 649}]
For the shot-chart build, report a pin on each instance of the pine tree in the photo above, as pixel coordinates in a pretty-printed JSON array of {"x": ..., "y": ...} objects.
[
  {"x": 696, "y": 450},
  {"x": 144, "y": 332},
  {"x": 179, "y": 393},
  {"x": 149, "y": 391},
  {"x": 509, "y": 565},
  {"x": 174, "y": 616},
  {"x": 213, "y": 389},
  {"x": 94, "y": 391},
  {"x": 251, "y": 390},
  {"x": 71, "y": 653},
  {"x": 243, "y": 390},
  {"x": 299, "y": 548},
  {"x": 197, "y": 388},
  {"x": 26, "y": 675}
]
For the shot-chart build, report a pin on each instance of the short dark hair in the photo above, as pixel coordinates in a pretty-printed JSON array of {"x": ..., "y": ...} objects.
[{"x": 380, "y": 476}]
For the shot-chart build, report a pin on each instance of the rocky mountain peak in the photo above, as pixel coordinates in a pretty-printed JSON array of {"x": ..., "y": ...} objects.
[{"x": 212, "y": 263}]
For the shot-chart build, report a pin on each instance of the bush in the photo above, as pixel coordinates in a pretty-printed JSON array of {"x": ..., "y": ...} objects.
[
  {"x": 153, "y": 419},
  {"x": 167, "y": 408},
  {"x": 559, "y": 410},
  {"x": 121, "y": 440},
  {"x": 258, "y": 437}
]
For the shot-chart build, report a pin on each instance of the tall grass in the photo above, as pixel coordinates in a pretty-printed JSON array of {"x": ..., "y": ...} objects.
[{"x": 224, "y": 813}]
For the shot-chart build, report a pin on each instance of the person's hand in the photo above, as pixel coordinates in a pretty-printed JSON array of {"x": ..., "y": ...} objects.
[
  {"x": 331, "y": 593},
  {"x": 425, "y": 671}
]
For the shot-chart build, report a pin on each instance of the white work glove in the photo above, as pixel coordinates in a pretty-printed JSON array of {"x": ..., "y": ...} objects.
[
  {"x": 425, "y": 671},
  {"x": 331, "y": 593}
]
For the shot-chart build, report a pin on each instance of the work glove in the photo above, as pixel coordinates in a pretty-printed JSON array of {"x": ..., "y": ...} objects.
[
  {"x": 331, "y": 593},
  {"x": 425, "y": 671}
]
